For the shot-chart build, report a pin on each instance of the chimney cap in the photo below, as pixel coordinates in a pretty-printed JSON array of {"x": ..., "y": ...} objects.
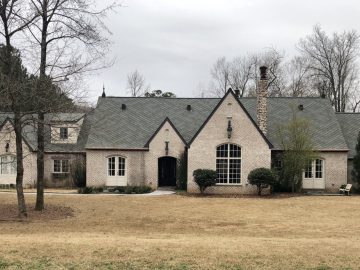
[{"x": 263, "y": 72}]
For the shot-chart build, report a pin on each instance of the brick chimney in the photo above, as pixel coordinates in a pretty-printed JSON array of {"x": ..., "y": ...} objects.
[{"x": 261, "y": 107}]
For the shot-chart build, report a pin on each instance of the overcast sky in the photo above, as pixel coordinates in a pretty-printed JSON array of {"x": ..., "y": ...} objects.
[{"x": 174, "y": 43}]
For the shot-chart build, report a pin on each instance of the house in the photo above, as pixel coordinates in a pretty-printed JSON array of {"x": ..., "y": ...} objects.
[{"x": 138, "y": 141}]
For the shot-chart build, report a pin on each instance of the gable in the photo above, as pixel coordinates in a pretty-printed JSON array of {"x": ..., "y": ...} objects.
[{"x": 231, "y": 107}]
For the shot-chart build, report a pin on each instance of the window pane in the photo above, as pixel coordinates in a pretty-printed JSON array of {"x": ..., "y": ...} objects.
[
  {"x": 235, "y": 171},
  {"x": 111, "y": 166},
  {"x": 57, "y": 166},
  {"x": 4, "y": 165},
  {"x": 235, "y": 151},
  {"x": 65, "y": 166},
  {"x": 12, "y": 165},
  {"x": 222, "y": 151},
  {"x": 318, "y": 168},
  {"x": 222, "y": 171},
  {"x": 121, "y": 166},
  {"x": 63, "y": 133},
  {"x": 308, "y": 170}
]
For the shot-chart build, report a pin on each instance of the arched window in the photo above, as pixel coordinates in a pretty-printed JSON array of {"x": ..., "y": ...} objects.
[
  {"x": 116, "y": 166},
  {"x": 8, "y": 165},
  {"x": 228, "y": 164}
]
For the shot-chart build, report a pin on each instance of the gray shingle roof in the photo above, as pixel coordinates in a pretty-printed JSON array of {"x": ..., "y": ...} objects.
[
  {"x": 350, "y": 124},
  {"x": 30, "y": 136},
  {"x": 327, "y": 134},
  {"x": 113, "y": 127}
]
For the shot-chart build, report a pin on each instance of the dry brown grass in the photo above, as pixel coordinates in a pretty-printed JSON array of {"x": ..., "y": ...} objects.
[{"x": 178, "y": 232}]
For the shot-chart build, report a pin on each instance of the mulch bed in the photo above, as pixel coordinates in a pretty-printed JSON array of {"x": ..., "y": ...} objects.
[
  {"x": 266, "y": 196},
  {"x": 9, "y": 213}
]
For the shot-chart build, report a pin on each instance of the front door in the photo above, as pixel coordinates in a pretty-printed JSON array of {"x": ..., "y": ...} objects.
[
  {"x": 313, "y": 176},
  {"x": 167, "y": 171}
]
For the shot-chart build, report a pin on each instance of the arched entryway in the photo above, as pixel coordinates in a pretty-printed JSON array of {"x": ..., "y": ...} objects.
[{"x": 167, "y": 171}]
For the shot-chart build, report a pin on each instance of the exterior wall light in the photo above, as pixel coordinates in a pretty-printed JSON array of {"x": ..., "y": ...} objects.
[
  {"x": 229, "y": 129},
  {"x": 7, "y": 147},
  {"x": 166, "y": 148}
]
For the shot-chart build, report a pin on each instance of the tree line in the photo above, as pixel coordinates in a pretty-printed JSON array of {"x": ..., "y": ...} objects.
[{"x": 326, "y": 65}]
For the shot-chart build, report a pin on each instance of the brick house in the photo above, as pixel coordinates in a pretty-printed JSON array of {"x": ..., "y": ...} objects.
[{"x": 138, "y": 141}]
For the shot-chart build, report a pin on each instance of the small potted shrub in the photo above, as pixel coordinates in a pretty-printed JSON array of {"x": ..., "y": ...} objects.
[{"x": 204, "y": 179}]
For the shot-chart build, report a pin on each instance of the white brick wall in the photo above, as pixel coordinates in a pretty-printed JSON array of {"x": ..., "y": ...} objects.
[
  {"x": 96, "y": 166},
  {"x": 142, "y": 166},
  {"x": 7, "y": 134},
  {"x": 335, "y": 170},
  {"x": 73, "y": 132},
  {"x": 157, "y": 150},
  {"x": 254, "y": 149}
]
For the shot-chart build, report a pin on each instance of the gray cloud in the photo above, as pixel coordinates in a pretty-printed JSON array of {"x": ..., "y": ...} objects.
[{"x": 174, "y": 43}]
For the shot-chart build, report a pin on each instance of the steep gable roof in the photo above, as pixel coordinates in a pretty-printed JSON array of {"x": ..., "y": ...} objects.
[
  {"x": 132, "y": 127},
  {"x": 230, "y": 92},
  {"x": 350, "y": 125},
  {"x": 167, "y": 120},
  {"x": 30, "y": 135}
]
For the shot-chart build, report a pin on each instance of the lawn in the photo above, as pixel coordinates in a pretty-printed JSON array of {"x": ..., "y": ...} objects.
[{"x": 181, "y": 232}]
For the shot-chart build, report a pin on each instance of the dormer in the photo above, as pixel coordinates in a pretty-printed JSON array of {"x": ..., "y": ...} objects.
[{"x": 66, "y": 130}]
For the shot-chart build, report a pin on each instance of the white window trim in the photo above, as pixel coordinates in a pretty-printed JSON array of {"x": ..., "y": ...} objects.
[
  {"x": 8, "y": 164},
  {"x": 228, "y": 158},
  {"x": 313, "y": 170},
  {"x": 67, "y": 133},
  {"x": 116, "y": 165},
  {"x": 61, "y": 166}
]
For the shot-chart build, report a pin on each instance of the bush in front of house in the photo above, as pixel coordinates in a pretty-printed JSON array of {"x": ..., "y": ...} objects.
[
  {"x": 78, "y": 173},
  {"x": 90, "y": 190},
  {"x": 204, "y": 179},
  {"x": 118, "y": 189},
  {"x": 262, "y": 178},
  {"x": 137, "y": 189},
  {"x": 181, "y": 172}
]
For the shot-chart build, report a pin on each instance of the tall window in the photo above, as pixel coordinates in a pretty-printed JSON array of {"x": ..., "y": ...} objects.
[
  {"x": 314, "y": 169},
  {"x": 228, "y": 164},
  {"x": 61, "y": 166},
  {"x": 8, "y": 165},
  {"x": 116, "y": 166},
  {"x": 64, "y": 133}
]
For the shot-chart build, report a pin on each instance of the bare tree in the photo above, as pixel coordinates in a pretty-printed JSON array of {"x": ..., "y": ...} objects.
[
  {"x": 136, "y": 84},
  {"x": 333, "y": 61},
  {"x": 220, "y": 73},
  {"x": 69, "y": 36},
  {"x": 242, "y": 73},
  {"x": 273, "y": 59},
  {"x": 297, "y": 78},
  {"x": 15, "y": 17},
  {"x": 240, "y": 78}
]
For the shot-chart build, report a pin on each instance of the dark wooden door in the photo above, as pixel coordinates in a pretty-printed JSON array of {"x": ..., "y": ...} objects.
[{"x": 167, "y": 171}]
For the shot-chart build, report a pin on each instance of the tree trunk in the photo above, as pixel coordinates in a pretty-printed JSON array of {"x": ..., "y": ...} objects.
[
  {"x": 40, "y": 163},
  {"x": 41, "y": 115},
  {"x": 19, "y": 167},
  {"x": 259, "y": 190}
]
